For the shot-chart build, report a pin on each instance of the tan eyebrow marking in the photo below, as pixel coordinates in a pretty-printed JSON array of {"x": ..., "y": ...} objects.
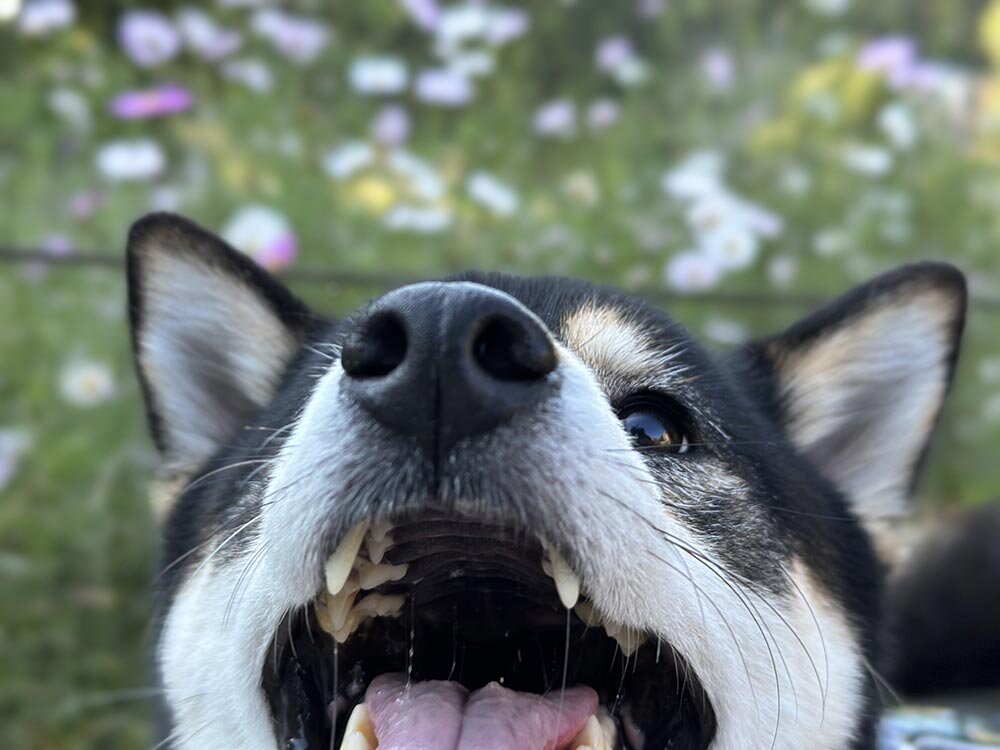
[{"x": 610, "y": 343}]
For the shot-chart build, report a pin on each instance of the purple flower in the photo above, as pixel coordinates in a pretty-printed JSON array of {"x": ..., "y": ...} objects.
[
  {"x": 895, "y": 57},
  {"x": 613, "y": 52},
  {"x": 556, "y": 119},
  {"x": 148, "y": 37},
  {"x": 425, "y": 14},
  {"x": 505, "y": 25},
  {"x": 718, "y": 68},
  {"x": 651, "y": 8},
  {"x": 444, "y": 87},
  {"x": 298, "y": 38},
  {"x": 57, "y": 245},
  {"x": 143, "y": 104},
  {"x": 40, "y": 17},
  {"x": 85, "y": 204},
  {"x": 208, "y": 40},
  {"x": 391, "y": 126}
]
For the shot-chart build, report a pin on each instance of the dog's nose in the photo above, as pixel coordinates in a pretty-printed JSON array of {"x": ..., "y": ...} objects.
[{"x": 444, "y": 361}]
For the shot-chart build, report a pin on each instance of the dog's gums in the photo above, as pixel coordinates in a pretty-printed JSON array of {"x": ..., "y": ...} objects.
[{"x": 406, "y": 649}]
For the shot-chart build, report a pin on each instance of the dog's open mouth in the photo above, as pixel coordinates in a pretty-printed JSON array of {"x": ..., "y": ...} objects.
[{"x": 444, "y": 634}]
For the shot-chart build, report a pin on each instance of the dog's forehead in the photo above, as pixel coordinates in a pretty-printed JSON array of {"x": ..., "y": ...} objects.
[{"x": 615, "y": 334}]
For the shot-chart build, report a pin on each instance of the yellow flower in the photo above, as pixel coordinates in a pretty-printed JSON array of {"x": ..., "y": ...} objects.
[
  {"x": 989, "y": 32},
  {"x": 374, "y": 194}
]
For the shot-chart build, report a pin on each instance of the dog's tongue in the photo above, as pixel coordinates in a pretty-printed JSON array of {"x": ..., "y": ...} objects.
[{"x": 438, "y": 715}]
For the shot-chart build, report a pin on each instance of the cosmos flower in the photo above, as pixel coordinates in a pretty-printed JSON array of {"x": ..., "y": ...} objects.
[
  {"x": 57, "y": 245},
  {"x": 205, "y": 37},
  {"x": 148, "y": 37},
  {"x": 264, "y": 234},
  {"x": 391, "y": 126},
  {"x": 143, "y": 104},
  {"x": 602, "y": 113},
  {"x": 425, "y": 14},
  {"x": 582, "y": 188},
  {"x": 556, "y": 119},
  {"x": 420, "y": 176},
  {"x": 134, "y": 159},
  {"x": 298, "y": 38},
  {"x": 14, "y": 444},
  {"x": 347, "y": 159},
  {"x": 897, "y": 122},
  {"x": 718, "y": 68},
  {"x": 86, "y": 382},
  {"x": 250, "y": 72},
  {"x": 85, "y": 204},
  {"x": 866, "y": 159},
  {"x": 504, "y": 25},
  {"x": 697, "y": 175},
  {"x": 443, "y": 87},
  {"x": 494, "y": 195},
  {"x": 692, "y": 271},
  {"x": 417, "y": 219},
  {"x": 731, "y": 246},
  {"x": 41, "y": 17},
  {"x": 72, "y": 107},
  {"x": 613, "y": 52},
  {"x": 377, "y": 75}
]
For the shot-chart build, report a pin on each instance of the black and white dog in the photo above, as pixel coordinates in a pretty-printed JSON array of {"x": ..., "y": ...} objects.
[{"x": 496, "y": 513}]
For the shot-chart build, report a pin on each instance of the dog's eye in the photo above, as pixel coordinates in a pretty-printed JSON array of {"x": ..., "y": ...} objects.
[{"x": 656, "y": 422}]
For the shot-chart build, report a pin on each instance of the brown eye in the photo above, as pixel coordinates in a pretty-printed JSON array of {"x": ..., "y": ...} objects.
[{"x": 655, "y": 423}]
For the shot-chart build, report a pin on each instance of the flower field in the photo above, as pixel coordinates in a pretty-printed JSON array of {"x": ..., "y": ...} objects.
[{"x": 737, "y": 161}]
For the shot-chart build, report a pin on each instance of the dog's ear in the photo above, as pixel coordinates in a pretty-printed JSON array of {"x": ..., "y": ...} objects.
[
  {"x": 859, "y": 385},
  {"x": 212, "y": 334}
]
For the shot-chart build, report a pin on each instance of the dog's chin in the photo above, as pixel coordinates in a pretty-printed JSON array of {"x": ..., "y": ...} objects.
[{"x": 443, "y": 627}]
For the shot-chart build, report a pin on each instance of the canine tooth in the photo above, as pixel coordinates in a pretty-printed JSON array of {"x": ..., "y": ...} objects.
[
  {"x": 586, "y": 612},
  {"x": 377, "y": 547},
  {"x": 628, "y": 641},
  {"x": 591, "y": 737},
  {"x": 380, "y": 529},
  {"x": 373, "y": 575},
  {"x": 338, "y": 567},
  {"x": 567, "y": 582},
  {"x": 356, "y": 741},
  {"x": 360, "y": 721},
  {"x": 378, "y": 605},
  {"x": 339, "y": 608},
  {"x": 341, "y": 634}
]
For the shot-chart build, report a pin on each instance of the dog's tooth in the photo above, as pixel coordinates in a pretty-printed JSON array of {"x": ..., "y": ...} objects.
[
  {"x": 341, "y": 634},
  {"x": 323, "y": 604},
  {"x": 380, "y": 530},
  {"x": 379, "y": 605},
  {"x": 377, "y": 547},
  {"x": 628, "y": 640},
  {"x": 591, "y": 737},
  {"x": 338, "y": 567},
  {"x": 373, "y": 575},
  {"x": 356, "y": 741},
  {"x": 360, "y": 722},
  {"x": 339, "y": 608},
  {"x": 567, "y": 582}
]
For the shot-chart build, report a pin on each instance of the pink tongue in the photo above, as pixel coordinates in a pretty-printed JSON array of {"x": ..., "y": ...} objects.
[{"x": 437, "y": 715}]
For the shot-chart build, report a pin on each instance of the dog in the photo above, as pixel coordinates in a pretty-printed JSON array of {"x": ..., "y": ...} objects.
[{"x": 495, "y": 512}]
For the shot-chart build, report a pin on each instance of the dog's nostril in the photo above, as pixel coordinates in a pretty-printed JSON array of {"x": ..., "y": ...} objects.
[
  {"x": 375, "y": 348},
  {"x": 508, "y": 350}
]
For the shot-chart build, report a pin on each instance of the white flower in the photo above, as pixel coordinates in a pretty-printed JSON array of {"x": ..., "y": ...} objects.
[
  {"x": 794, "y": 180},
  {"x": 505, "y": 24},
  {"x": 262, "y": 233},
  {"x": 828, "y": 8},
  {"x": 868, "y": 160},
  {"x": 782, "y": 271},
  {"x": 697, "y": 175},
  {"x": 488, "y": 191},
  {"x": 472, "y": 64},
  {"x": 829, "y": 242},
  {"x": 203, "y": 35},
  {"x": 556, "y": 119},
  {"x": 137, "y": 159},
  {"x": 378, "y": 75},
  {"x": 417, "y": 219},
  {"x": 692, "y": 271},
  {"x": 347, "y": 159},
  {"x": 251, "y": 72},
  {"x": 422, "y": 178},
  {"x": 40, "y": 17},
  {"x": 444, "y": 87},
  {"x": 731, "y": 245},
  {"x": 896, "y": 120},
  {"x": 631, "y": 73},
  {"x": 86, "y": 383},
  {"x": 582, "y": 188},
  {"x": 14, "y": 443},
  {"x": 297, "y": 38},
  {"x": 72, "y": 107},
  {"x": 459, "y": 23},
  {"x": 726, "y": 331},
  {"x": 602, "y": 113}
]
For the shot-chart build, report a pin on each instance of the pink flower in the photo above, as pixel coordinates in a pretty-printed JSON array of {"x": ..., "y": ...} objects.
[
  {"x": 57, "y": 245},
  {"x": 556, "y": 119},
  {"x": 143, "y": 104},
  {"x": 85, "y": 204},
  {"x": 444, "y": 87},
  {"x": 148, "y": 37},
  {"x": 391, "y": 126}
]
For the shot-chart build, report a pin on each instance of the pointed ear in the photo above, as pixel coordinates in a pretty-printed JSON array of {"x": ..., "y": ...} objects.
[
  {"x": 859, "y": 385},
  {"x": 212, "y": 333}
]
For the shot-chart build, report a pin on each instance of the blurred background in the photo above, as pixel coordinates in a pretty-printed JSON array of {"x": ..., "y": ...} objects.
[{"x": 738, "y": 162}]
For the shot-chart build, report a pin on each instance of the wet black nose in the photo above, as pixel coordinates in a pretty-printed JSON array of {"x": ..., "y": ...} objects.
[{"x": 444, "y": 361}]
